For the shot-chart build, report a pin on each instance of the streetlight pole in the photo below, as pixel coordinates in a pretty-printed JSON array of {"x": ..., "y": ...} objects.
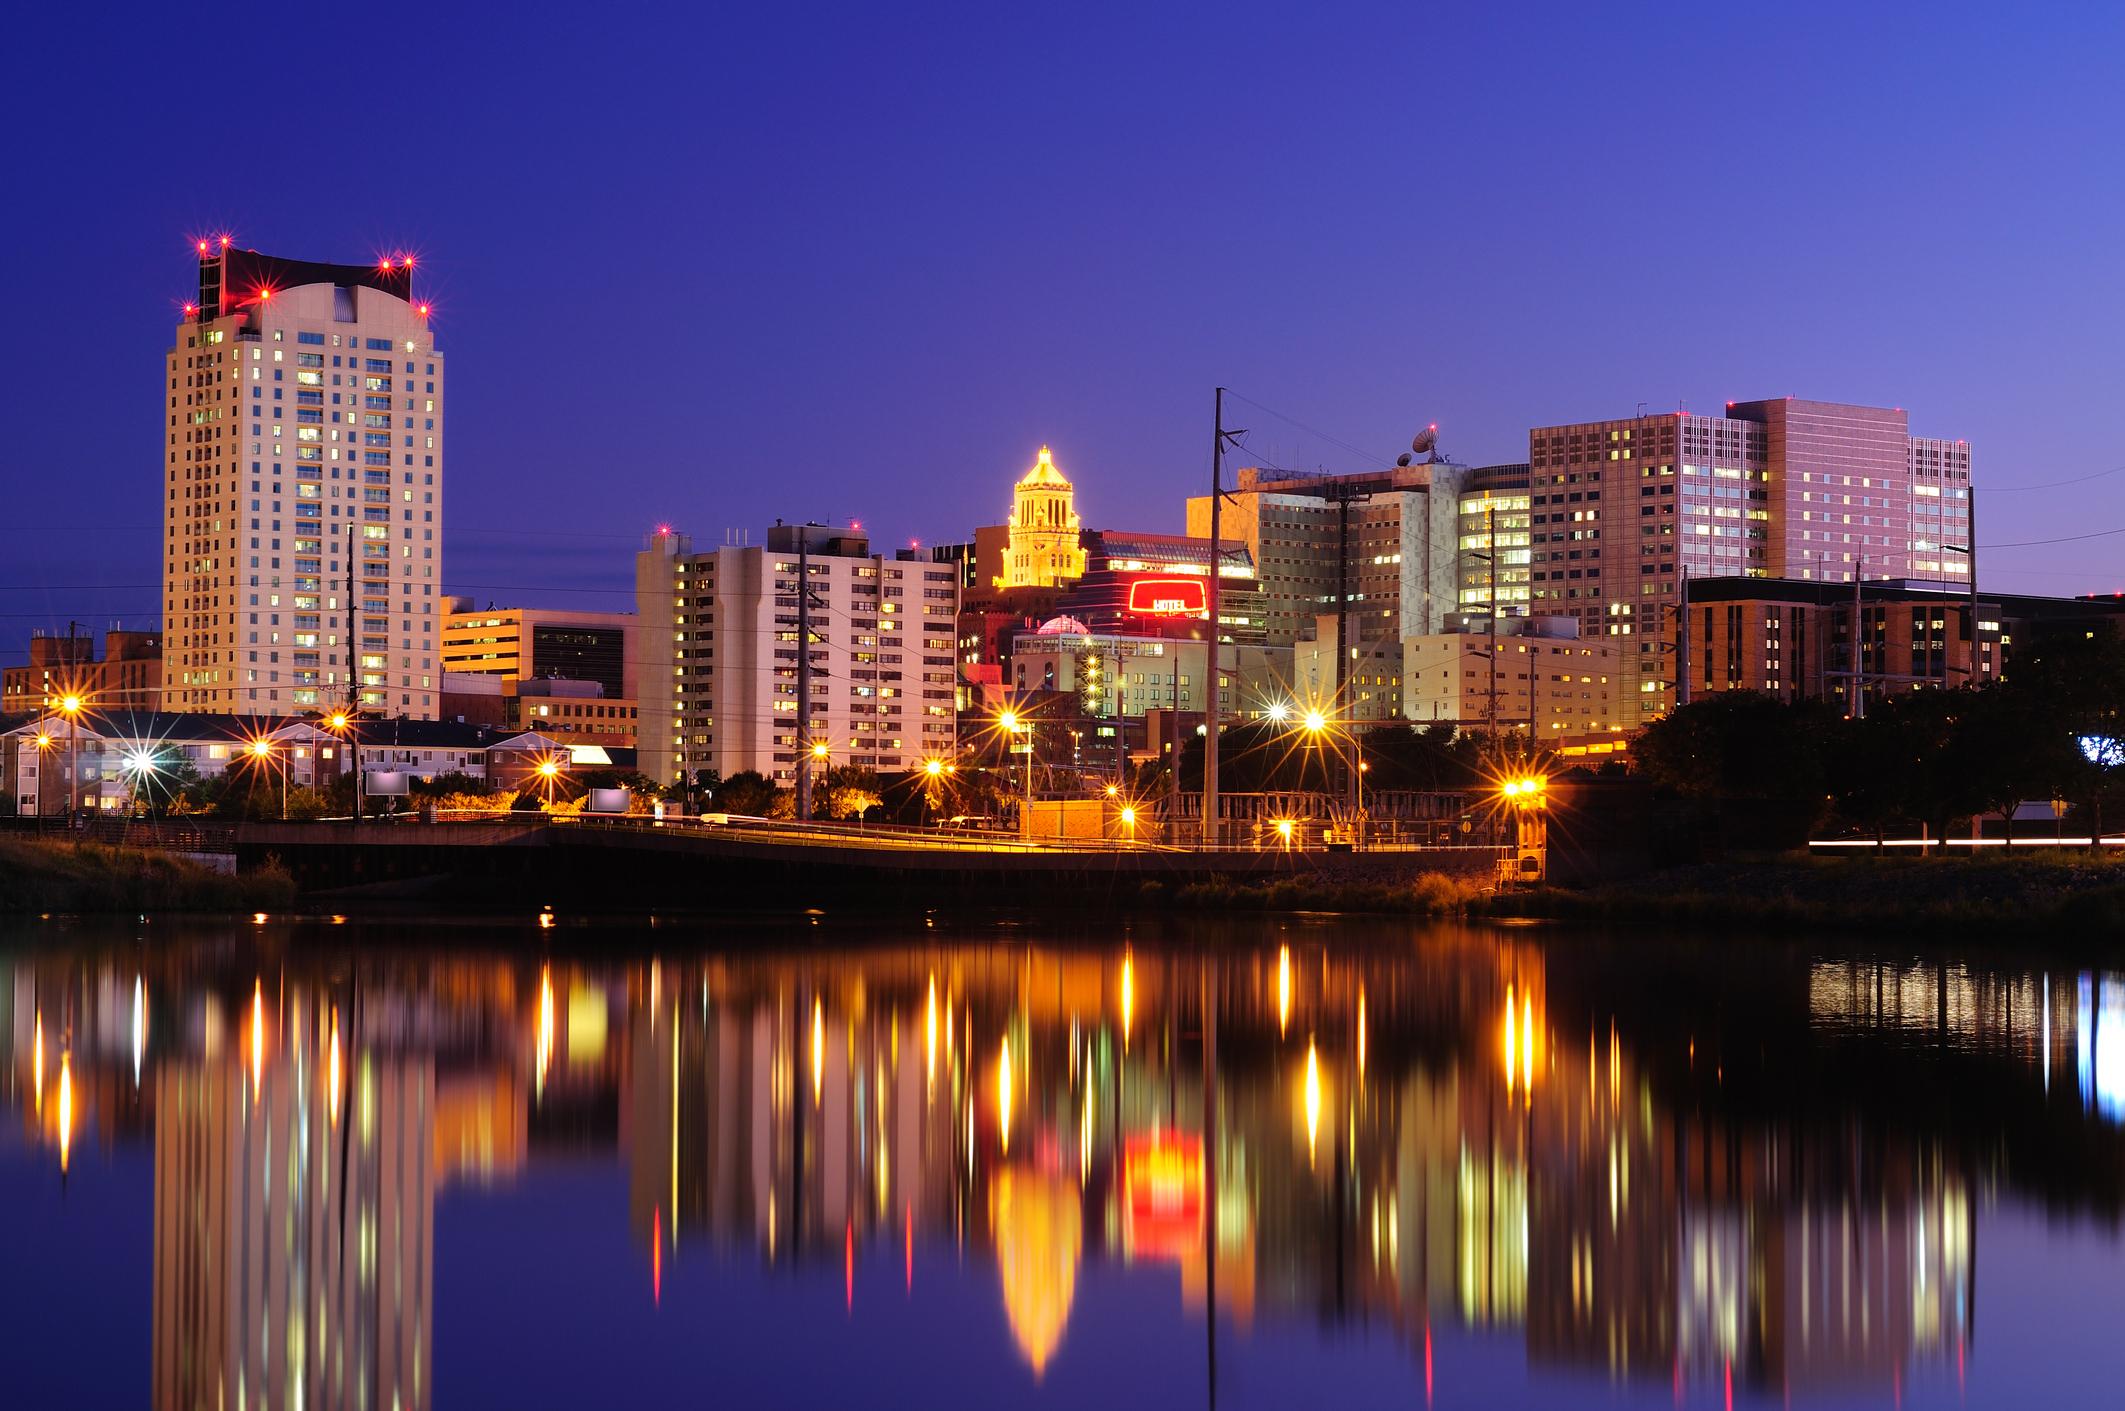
[
  {"x": 72, "y": 706},
  {"x": 1969, "y": 551}
]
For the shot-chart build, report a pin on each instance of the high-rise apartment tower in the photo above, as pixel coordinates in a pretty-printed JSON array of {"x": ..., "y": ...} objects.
[
  {"x": 720, "y": 685},
  {"x": 303, "y": 490}
]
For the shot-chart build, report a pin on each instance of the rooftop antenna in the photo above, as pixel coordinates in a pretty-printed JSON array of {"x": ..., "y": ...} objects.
[{"x": 1425, "y": 444}]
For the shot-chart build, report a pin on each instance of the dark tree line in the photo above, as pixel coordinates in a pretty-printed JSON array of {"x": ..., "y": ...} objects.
[{"x": 2050, "y": 730}]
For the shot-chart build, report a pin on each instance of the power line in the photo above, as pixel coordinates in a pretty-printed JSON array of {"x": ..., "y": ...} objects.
[
  {"x": 2082, "y": 480},
  {"x": 2069, "y": 539},
  {"x": 1371, "y": 456}
]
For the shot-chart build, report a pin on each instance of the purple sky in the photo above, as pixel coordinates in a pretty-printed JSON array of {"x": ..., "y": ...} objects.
[{"x": 714, "y": 265}]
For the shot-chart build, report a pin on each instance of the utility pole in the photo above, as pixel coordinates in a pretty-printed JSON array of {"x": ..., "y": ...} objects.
[
  {"x": 804, "y": 674},
  {"x": 1490, "y": 534},
  {"x": 1217, "y": 681},
  {"x": 1859, "y": 679},
  {"x": 1682, "y": 642},
  {"x": 1346, "y": 653},
  {"x": 354, "y": 691},
  {"x": 1971, "y": 492}
]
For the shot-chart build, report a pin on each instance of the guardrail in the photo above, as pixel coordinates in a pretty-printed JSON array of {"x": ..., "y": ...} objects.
[
  {"x": 161, "y": 834},
  {"x": 889, "y": 837},
  {"x": 2082, "y": 841}
]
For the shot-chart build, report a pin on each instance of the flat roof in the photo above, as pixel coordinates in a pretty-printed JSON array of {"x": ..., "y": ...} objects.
[{"x": 1807, "y": 591}]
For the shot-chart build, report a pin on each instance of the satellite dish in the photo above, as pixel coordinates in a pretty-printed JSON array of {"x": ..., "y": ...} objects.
[
  {"x": 1403, "y": 459},
  {"x": 1426, "y": 440}
]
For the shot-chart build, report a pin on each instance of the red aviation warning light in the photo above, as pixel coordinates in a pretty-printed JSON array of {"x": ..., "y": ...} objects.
[{"x": 1169, "y": 597}]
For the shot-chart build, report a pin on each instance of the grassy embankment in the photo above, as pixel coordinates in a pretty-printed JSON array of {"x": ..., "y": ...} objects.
[
  {"x": 2029, "y": 891},
  {"x": 39, "y": 875}
]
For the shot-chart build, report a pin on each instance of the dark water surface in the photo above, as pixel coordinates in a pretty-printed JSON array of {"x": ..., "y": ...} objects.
[{"x": 984, "y": 1163}]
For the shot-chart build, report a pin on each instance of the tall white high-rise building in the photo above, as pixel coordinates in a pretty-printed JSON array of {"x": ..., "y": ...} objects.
[
  {"x": 303, "y": 490},
  {"x": 720, "y": 685}
]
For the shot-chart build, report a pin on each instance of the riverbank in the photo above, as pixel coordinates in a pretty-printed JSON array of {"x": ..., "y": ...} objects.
[
  {"x": 61, "y": 875},
  {"x": 2077, "y": 890},
  {"x": 2066, "y": 890}
]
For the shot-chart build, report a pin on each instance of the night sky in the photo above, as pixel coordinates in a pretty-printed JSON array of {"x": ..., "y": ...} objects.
[{"x": 708, "y": 266}]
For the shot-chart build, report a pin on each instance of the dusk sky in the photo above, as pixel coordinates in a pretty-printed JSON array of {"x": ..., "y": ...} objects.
[{"x": 708, "y": 266}]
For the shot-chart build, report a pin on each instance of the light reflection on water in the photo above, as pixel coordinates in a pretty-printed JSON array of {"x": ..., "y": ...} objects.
[{"x": 1682, "y": 1176}]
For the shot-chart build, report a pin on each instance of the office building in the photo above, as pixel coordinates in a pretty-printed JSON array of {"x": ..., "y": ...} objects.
[
  {"x": 303, "y": 485},
  {"x": 128, "y": 678},
  {"x": 965, "y": 557},
  {"x": 556, "y": 705},
  {"x": 1532, "y": 674},
  {"x": 1386, "y": 544},
  {"x": 1360, "y": 688},
  {"x": 1148, "y": 583},
  {"x": 1620, "y": 511},
  {"x": 521, "y": 644},
  {"x": 1100, "y": 687},
  {"x": 719, "y": 686},
  {"x": 1793, "y": 638}
]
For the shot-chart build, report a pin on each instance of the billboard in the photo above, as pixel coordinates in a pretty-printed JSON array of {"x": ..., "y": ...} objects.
[
  {"x": 386, "y": 782},
  {"x": 608, "y": 801},
  {"x": 1169, "y": 597}
]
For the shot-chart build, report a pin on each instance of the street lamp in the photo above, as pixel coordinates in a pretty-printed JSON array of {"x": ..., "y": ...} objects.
[
  {"x": 44, "y": 764},
  {"x": 341, "y": 725},
  {"x": 1012, "y": 722},
  {"x": 70, "y": 706},
  {"x": 548, "y": 772},
  {"x": 262, "y": 752},
  {"x": 140, "y": 763},
  {"x": 1528, "y": 796}
]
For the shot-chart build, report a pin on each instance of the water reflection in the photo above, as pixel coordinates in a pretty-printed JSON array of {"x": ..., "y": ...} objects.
[{"x": 1446, "y": 1127}]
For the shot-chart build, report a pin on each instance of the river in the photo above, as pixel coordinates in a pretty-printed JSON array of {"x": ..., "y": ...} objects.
[{"x": 1009, "y": 1160}]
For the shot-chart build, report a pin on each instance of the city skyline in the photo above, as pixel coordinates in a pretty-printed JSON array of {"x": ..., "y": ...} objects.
[{"x": 1081, "y": 272}]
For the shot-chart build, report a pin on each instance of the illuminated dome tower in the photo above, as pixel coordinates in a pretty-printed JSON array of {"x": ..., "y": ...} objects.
[{"x": 1044, "y": 529}]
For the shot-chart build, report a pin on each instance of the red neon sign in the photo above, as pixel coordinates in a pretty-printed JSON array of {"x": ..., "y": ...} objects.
[{"x": 1169, "y": 597}]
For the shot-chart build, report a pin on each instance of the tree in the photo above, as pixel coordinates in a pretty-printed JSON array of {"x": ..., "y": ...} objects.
[
  {"x": 162, "y": 778},
  {"x": 2073, "y": 680},
  {"x": 848, "y": 791},
  {"x": 702, "y": 782},
  {"x": 1917, "y": 735},
  {"x": 1999, "y": 751},
  {"x": 1738, "y": 744},
  {"x": 748, "y": 792}
]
